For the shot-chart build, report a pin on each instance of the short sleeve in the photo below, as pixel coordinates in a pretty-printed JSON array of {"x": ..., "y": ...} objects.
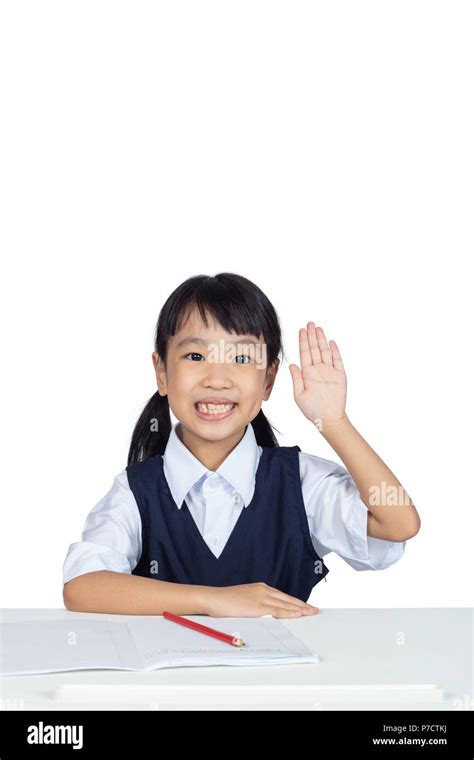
[
  {"x": 337, "y": 516},
  {"x": 111, "y": 539}
]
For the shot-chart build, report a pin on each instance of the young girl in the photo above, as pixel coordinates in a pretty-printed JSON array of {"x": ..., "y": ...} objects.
[{"x": 212, "y": 516}]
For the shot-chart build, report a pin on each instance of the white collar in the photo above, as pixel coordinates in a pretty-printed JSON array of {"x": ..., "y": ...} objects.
[{"x": 182, "y": 470}]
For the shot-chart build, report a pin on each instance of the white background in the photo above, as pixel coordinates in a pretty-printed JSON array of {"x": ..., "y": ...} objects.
[{"x": 325, "y": 151}]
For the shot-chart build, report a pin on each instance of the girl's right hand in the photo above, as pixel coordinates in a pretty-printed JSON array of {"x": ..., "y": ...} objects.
[{"x": 253, "y": 600}]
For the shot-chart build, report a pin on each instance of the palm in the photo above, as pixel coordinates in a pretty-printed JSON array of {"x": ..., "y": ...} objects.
[{"x": 320, "y": 386}]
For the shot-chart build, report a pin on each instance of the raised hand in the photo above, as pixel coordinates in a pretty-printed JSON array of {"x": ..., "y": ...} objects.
[{"x": 320, "y": 386}]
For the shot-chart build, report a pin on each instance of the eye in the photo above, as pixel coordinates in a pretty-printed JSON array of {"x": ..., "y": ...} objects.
[
  {"x": 237, "y": 358},
  {"x": 243, "y": 356}
]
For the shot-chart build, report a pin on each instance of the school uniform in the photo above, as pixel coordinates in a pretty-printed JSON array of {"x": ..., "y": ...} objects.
[{"x": 266, "y": 514}]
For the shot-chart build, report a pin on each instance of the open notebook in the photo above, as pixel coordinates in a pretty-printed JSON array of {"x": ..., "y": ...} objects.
[{"x": 144, "y": 643}]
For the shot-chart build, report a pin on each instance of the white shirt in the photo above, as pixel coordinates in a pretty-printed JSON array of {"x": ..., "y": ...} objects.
[{"x": 337, "y": 516}]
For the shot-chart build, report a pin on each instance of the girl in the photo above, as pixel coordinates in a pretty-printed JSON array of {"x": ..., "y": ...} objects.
[{"x": 211, "y": 516}]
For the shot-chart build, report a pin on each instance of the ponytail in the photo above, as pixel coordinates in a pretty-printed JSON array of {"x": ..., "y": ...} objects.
[
  {"x": 264, "y": 431},
  {"x": 152, "y": 430}
]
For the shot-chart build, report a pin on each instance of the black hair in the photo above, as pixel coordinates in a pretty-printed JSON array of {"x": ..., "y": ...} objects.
[{"x": 239, "y": 306}]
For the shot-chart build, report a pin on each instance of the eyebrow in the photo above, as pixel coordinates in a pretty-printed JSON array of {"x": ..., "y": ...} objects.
[{"x": 197, "y": 339}]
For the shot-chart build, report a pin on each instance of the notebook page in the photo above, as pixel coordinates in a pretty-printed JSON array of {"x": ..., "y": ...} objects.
[
  {"x": 163, "y": 643},
  {"x": 50, "y": 646}
]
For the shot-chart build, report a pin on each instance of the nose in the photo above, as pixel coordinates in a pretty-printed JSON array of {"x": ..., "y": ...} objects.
[{"x": 217, "y": 375}]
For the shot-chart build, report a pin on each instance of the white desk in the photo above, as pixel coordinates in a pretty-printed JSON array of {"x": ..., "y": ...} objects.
[{"x": 390, "y": 659}]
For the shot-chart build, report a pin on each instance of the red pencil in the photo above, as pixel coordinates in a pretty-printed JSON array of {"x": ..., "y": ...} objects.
[{"x": 204, "y": 629}]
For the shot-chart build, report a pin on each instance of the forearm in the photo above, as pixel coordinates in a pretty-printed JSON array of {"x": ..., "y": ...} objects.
[
  {"x": 382, "y": 493},
  {"x": 123, "y": 594}
]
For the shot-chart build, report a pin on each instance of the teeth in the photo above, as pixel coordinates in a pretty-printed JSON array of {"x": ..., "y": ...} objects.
[{"x": 214, "y": 408}]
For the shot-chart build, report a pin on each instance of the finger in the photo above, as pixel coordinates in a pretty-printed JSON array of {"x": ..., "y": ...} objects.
[
  {"x": 282, "y": 612},
  {"x": 313, "y": 343},
  {"x": 278, "y": 612},
  {"x": 292, "y": 608},
  {"x": 305, "y": 353},
  {"x": 281, "y": 597},
  {"x": 297, "y": 377},
  {"x": 326, "y": 355},
  {"x": 336, "y": 356}
]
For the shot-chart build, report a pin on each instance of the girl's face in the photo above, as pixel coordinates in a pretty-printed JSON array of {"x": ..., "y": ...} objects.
[{"x": 209, "y": 364}]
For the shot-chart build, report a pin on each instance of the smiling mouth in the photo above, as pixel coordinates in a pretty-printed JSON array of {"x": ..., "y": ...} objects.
[{"x": 214, "y": 411}]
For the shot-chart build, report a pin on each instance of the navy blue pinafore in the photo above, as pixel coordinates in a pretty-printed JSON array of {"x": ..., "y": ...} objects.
[{"x": 270, "y": 541}]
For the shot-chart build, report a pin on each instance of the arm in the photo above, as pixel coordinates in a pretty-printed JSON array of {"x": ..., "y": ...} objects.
[
  {"x": 320, "y": 389},
  {"x": 337, "y": 517},
  {"x": 123, "y": 594},
  {"x": 392, "y": 515}
]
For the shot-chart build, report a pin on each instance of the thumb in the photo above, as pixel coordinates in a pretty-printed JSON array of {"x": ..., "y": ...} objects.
[{"x": 298, "y": 384}]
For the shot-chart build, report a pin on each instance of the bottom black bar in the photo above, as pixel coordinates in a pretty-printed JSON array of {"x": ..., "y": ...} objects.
[{"x": 133, "y": 733}]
